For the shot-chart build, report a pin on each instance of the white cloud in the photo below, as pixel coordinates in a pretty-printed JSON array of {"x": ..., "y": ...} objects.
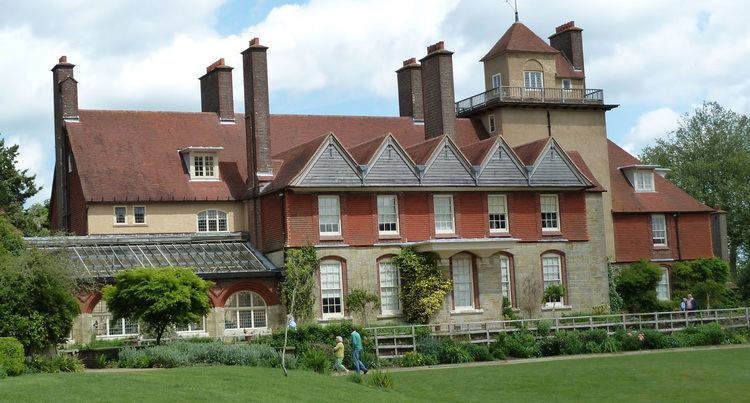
[{"x": 650, "y": 126}]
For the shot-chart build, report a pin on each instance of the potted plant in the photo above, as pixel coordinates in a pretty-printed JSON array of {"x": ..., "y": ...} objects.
[{"x": 553, "y": 296}]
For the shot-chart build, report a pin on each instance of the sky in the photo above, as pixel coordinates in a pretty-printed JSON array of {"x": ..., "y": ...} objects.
[{"x": 657, "y": 60}]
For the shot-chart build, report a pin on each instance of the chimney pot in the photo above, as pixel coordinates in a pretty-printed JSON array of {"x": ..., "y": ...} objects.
[
  {"x": 410, "y": 61},
  {"x": 566, "y": 26},
  {"x": 214, "y": 65},
  {"x": 255, "y": 41},
  {"x": 434, "y": 48},
  {"x": 63, "y": 59}
]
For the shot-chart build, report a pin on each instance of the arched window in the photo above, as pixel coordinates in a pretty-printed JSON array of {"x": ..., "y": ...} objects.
[
  {"x": 331, "y": 289},
  {"x": 662, "y": 288},
  {"x": 212, "y": 221},
  {"x": 390, "y": 287},
  {"x": 553, "y": 270},
  {"x": 106, "y": 327},
  {"x": 245, "y": 310}
]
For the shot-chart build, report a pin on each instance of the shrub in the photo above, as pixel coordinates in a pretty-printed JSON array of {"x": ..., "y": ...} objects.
[
  {"x": 570, "y": 343},
  {"x": 412, "y": 359},
  {"x": 508, "y": 313},
  {"x": 550, "y": 346},
  {"x": 381, "y": 379},
  {"x": 132, "y": 358},
  {"x": 423, "y": 287},
  {"x": 543, "y": 327},
  {"x": 316, "y": 360},
  {"x": 592, "y": 347},
  {"x": 611, "y": 345},
  {"x": 637, "y": 286},
  {"x": 453, "y": 353},
  {"x": 479, "y": 352},
  {"x": 11, "y": 356},
  {"x": 521, "y": 344},
  {"x": 55, "y": 364},
  {"x": 597, "y": 336},
  {"x": 629, "y": 340},
  {"x": 601, "y": 309},
  {"x": 429, "y": 345},
  {"x": 370, "y": 359},
  {"x": 710, "y": 334}
]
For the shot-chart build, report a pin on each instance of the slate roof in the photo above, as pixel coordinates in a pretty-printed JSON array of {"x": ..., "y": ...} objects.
[{"x": 667, "y": 198}]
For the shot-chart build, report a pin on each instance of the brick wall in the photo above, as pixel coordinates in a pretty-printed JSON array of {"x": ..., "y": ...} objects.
[
  {"x": 524, "y": 215},
  {"x": 415, "y": 207},
  {"x": 573, "y": 216},
  {"x": 359, "y": 218},
  {"x": 471, "y": 216},
  {"x": 695, "y": 235},
  {"x": 633, "y": 237},
  {"x": 273, "y": 223},
  {"x": 300, "y": 217},
  {"x": 76, "y": 205}
]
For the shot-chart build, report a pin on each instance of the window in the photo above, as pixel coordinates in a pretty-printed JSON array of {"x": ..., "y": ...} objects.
[
  {"x": 662, "y": 288},
  {"x": 505, "y": 279},
  {"x": 139, "y": 215},
  {"x": 387, "y": 214},
  {"x": 212, "y": 221},
  {"x": 121, "y": 213},
  {"x": 644, "y": 181},
  {"x": 199, "y": 326},
  {"x": 567, "y": 85},
  {"x": 498, "y": 213},
  {"x": 106, "y": 327},
  {"x": 245, "y": 310},
  {"x": 551, "y": 270},
  {"x": 491, "y": 123},
  {"x": 496, "y": 81},
  {"x": 204, "y": 166},
  {"x": 328, "y": 215},
  {"x": 533, "y": 79},
  {"x": 463, "y": 284},
  {"x": 550, "y": 213},
  {"x": 443, "y": 214},
  {"x": 331, "y": 289},
  {"x": 390, "y": 285},
  {"x": 659, "y": 229}
]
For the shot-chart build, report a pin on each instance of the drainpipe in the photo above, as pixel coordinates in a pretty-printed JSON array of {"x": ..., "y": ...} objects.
[
  {"x": 549, "y": 125},
  {"x": 677, "y": 232}
]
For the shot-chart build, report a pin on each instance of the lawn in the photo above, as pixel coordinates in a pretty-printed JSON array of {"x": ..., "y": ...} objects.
[{"x": 707, "y": 375}]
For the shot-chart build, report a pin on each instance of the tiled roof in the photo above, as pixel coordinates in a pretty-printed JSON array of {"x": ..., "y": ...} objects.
[
  {"x": 667, "y": 198},
  {"x": 362, "y": 153},
  {"x": 476, "y": 152},
  {"x": 421, "y": 152},
  {"x": 519, "y": 38},
  {"x": 294, "y": 161},
  {"x": 578, "y": 160},
  {"x": 565, "y": 68},
  {"x": 529, "y": 152}
]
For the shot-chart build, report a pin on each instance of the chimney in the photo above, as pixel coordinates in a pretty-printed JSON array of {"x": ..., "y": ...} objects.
[
  {"x": 257, "y": 116},
  {"x": 409, "y": 79},
  {"x": 65, "y": 99},
  {"x": 568, "y": 39},
  {"x": 437, "y": 92},
  {"x": 216, "y": 91}
]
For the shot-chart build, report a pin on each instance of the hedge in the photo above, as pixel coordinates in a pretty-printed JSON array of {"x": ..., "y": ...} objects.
[{"x": 11, "y": 356}]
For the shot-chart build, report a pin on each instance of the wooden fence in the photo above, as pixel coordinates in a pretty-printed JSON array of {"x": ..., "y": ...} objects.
[{"x": 394, "y": 341}]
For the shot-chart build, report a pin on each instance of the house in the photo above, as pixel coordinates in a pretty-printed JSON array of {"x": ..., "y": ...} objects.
[{"x": 519, "y": 181}]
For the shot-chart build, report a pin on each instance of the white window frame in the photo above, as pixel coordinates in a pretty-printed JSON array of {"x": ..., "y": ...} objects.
[
  {"x": 544, "y": 208},
  {"x": 203, "y": 175},
  {"x": 452, "y": 213},
  {"x": 329, "y": 268},
  {"x": 135, "y": 220},
  {"x": 337, "y": 206},
  {"x": 662, "y": 287},
  {"x": 528, "y": 80},
  {"x": 217, "y": 217},
  {"x": 382, "y": 214},
  {"x": 644, "y": 180},
  {"x": 569, "y": 87},
  {"x": 506, "y": 279},
  {"x": 233, "y": 310},
  {"x": 192, "y": 330},
  {"x": 124, "y": 215},
  {"x": 659, "y": 229},
  {"x": 497, "y": 81},
  {"x": 390, "y": 286},
  {"x": 552, "y": 261},
  {"x": 491, "y": 123},
  {"x": 500, "y": 209},
  {"x": 102, "y": 317},
  {"x": 459, "y": 272}
]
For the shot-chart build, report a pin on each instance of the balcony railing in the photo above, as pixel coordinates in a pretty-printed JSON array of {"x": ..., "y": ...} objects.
[{"x": 530, "y": 95}]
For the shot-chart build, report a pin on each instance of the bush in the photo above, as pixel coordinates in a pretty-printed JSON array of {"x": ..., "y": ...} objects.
[
  {"x": 508, "y": 313},
  {"x": 184, "y": 354},
  {"x": 381, "y": 379},
  {"x": 11, "y": 356},
  {"x": 570, "y": 343},
  {"x": 429, "y": 345},
  {"x": 521, "y": 344},
  {"x": 479, "y": 352},
  {"x": 132, "y": 358},
  {"x": 453, "y": 353},
  {"x": 412, "y": 359},
  {"x": 637, "y": 286},
  {"x": 629, "y": 340},
  {"x": 611, "y": 345},
  {"x": 543, "y": 327},
  {"x": 601, "y": 309},
  {"x": 316, "y": 360},
  {"x": 55, "y": 364},
  {"x": 706, "y": 335}
]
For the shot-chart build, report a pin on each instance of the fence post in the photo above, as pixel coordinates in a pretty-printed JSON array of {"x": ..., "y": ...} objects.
[
  {"x": 747, "y": 316},
  {"x": 557, "y": 324},
  {"x": 624, "y": 324},
  {"x": 591, "y": 323},
  {"x": 413, "y": 339},
  {"x": 656, "y": 320},
  {"x": 375, "y": 335}
]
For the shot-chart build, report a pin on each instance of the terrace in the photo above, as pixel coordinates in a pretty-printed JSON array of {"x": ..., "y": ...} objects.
[{"x": 585, "y": 97}]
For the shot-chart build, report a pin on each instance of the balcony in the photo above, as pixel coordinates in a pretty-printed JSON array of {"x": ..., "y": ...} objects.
[{"x": 529, "y": 96}]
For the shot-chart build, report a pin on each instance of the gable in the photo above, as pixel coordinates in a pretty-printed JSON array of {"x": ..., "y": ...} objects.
[
  {"x": 331, "y": 167},
  {"x": 502, "y": 169},
  {"x": 391, "y": 167},
  {"x": 447, "y": 167},
  {"x": 555, "y": 169}
]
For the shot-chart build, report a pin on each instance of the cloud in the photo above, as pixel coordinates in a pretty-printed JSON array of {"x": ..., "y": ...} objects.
[{"x": 649, "y": 127}]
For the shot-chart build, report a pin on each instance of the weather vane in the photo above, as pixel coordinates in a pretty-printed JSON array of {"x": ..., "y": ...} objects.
[{"x": 514, "y": 6}]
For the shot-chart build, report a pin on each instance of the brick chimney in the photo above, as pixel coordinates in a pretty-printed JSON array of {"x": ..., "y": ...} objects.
[
  {"x": 437, "y": 92},
  {"x": 65, "y": 99},
  {"x": 409, "y": 79},
  {"x": 257, "y": 115},
  {"x": 216, "y": 91},
  {"x": 568, "y": 39}
]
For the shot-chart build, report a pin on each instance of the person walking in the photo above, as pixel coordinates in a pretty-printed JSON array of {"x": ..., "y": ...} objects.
[
  {"x": 691, "y": 305},
  {"x": 683, "y": 305},
  {"x": 338, "y": 351},
  {"x": 357, "y": 352}
]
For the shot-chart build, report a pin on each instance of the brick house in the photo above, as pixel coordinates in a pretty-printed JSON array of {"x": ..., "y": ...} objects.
[{"x": 518, "y": 181}]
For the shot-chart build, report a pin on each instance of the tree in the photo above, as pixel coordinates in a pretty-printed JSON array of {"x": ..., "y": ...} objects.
[
  {"x": 16, "y": 186},
  {"x": 704, "y": 278},
  {"x": 37, "y": 306},
  {"x": 637, "y": 286},
  {"x": 360, "y": 301},
  {"x": 530, "y": 295},
  {"x": 709, "y": 157},
  {"x": 423, "y": 287},
  {"x": 158, "y": 296}
]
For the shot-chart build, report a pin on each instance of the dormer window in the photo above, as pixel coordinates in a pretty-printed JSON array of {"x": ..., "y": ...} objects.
[
  {"x": 644, "y": 181},
  {"x": 202, "y": 162}
]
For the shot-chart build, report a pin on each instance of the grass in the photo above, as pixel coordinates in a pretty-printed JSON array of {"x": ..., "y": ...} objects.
[{"x": 705, "y": 375}]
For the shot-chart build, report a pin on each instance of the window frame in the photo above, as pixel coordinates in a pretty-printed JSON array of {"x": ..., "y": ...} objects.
[
  {"x": 190, "y": 330},
  {"x": 472, "y": 292},
  {"x": 496, "y": 85},
  {"x": 665, "y": 285},
  {"x": 335, "y": 315},
  {"x": 560, "y": 271},
  {"x": 655, "y": 218},
  {"x": 505, "y": 216},
  {"x": 557, "y": 218},
  {"x": 338, "y": 216},
  {"x": 253, "y": 308},
  {"x": 396, "y": 287},
  {"x": 452, "y": 206},
  {"x": 528, "y": 79},
  {"x": 135, "y": 220},
  {"x": 208, "y": 221},
  {"x": 214, "y": 166},
  {"x": 124, "y": 215},
  {"x": 492, "y": 126},
  {"x": 510, "y": 278},
  {"x": 105, "y": 317},
  {"x": 640, "y": 185},
  {"x": 569, "y": 82},
  {"x": 395, "y": 214}
]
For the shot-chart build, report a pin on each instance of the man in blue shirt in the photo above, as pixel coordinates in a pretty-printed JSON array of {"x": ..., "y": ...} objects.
[{"x": 357, "y": 351}]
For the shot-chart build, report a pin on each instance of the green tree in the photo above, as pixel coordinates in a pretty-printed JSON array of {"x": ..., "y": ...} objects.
[
  {"x": 636, "y": 285},
  {"x": 423, "y": 287},
  {"x": 11, "y": 239},
  {"x": 709, "y": 157},
  {"x": 704, "y": 278},
  {"x": 360, "y": 301},
  {"x": 16, "y": 187},
  {"x": 158, "y": 296}
]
